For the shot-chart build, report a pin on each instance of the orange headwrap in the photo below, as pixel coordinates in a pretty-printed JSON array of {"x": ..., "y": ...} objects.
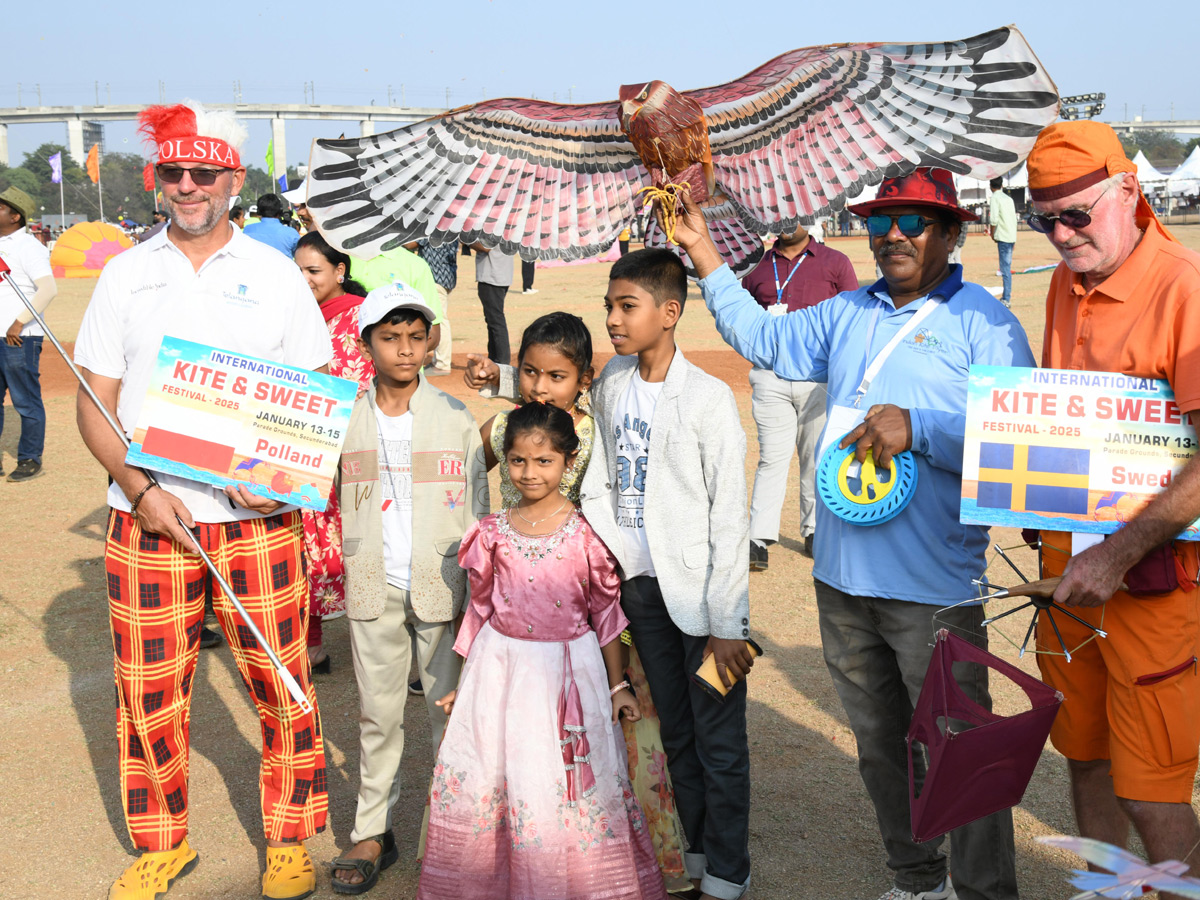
[{"x": 1069, "y": 157}]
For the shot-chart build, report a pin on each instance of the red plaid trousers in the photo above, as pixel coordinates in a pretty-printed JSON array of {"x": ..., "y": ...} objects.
[{"x": 156, "y": 609}]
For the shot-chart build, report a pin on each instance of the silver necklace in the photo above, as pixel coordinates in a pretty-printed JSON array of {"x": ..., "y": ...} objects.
[{"x": 531, "y": 524}]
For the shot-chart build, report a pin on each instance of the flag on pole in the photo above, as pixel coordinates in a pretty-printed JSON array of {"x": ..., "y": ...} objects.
[
  {"x": 271, "y": 157},
  {"x": 283, "y": 184},
  {"x": 148, "y": 177},
  {"x": 93, "y": 164},
  {"x": 56, "y": 168}
]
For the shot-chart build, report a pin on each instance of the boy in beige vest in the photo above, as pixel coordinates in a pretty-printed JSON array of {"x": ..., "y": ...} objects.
[{"x": 412, "y": 480}]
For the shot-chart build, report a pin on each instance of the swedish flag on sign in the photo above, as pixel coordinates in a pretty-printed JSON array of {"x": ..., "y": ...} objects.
[{"x": 1026, "y": 478}]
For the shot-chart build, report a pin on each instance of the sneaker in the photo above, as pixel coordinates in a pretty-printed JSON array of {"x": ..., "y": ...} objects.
[
  {"x": 415, "y": 688},
  {"x": 530, "y": 291},
  {"x": 758, "y": 557},
  {"x": 26, "y": 469},
  {"x": 209, "y": 638},
  {"x": 944, "y": 891},
  {"x": 434, "y": 371}
]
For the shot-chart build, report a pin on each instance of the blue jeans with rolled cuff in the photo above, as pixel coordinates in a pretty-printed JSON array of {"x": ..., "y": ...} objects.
[{"x": 19, "y": 378}]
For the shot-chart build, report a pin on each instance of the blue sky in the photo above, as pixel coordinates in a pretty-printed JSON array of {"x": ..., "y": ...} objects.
[{"x": 1139, "y": 56}]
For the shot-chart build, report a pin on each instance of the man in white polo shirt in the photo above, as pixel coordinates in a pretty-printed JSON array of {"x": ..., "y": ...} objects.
[
  {"x": 203, "y": 280},
  {"x": 29, "y": 261}
]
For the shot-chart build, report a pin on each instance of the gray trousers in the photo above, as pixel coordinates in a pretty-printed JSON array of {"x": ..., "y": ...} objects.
[
  {"x": 789, "y": 416},
  {"x": 382, "y": 652},
  {"x": 877, "y": 651}
]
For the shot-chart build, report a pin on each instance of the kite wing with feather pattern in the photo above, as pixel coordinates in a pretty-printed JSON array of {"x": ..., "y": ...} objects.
[
  {"x": 799, "y": 136},
  {"x": 790, "y": 142},
  {"x": 546, "y": 180}
]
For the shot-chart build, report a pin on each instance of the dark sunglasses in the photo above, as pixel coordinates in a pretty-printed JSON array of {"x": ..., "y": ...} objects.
[
  {"x": 1072, "y": 218},
  {"x": 201, "y": 177},
  {"x": 910, "y": 224}
]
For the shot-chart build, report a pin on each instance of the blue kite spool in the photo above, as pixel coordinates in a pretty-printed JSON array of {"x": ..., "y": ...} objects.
[{"x": 877, "y": 501}]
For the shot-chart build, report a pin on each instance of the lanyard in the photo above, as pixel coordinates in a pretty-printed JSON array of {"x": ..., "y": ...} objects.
[
  {"x": 871, "y": 370},
  {"x": 774, "y": 265}
]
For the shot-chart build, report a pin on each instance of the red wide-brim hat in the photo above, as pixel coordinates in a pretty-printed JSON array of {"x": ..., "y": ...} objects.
[{"x": 921, "y": 187}]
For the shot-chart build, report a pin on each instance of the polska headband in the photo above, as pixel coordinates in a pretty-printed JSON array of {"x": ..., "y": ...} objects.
[{"x": 174, "y": 131}]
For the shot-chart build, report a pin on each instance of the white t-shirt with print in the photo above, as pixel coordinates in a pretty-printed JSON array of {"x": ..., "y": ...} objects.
[
  {"x": 247, "y": 298},
  {"x": 634, "y": 416},
  {"x": 395, "y": 479},
  {"x": 29, "y": 261}
]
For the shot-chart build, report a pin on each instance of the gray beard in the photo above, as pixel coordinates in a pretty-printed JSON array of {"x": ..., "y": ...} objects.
[{"x": 217, "y": 212}]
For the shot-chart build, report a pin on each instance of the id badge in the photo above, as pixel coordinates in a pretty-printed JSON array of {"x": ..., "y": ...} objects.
[
  {"x": 778, "y": 309},
  {"x": 841, "y": 420}
]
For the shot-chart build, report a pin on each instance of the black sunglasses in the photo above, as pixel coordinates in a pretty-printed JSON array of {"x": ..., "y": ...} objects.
[
  {"x": 1072, "y": 218},
  {"x": 201, "y": 177},
  {"x": 910, "y": 224}
]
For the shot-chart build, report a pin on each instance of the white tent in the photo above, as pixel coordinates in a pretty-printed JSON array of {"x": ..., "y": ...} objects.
[
  {"x": 1146, "y": 173},
  {"x": 971, "y": 190},
  {"x": 1017, "y": 178},
  {"x": 1185, "y": 181}
]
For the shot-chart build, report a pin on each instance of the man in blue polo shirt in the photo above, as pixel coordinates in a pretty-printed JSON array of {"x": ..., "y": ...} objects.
[
  {"x": 898, "y": 353},
  {"x": 270, "y": 230}
]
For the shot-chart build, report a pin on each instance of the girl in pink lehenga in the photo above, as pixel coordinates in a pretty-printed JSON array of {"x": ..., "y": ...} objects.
[{"x": 530, "y": 800}]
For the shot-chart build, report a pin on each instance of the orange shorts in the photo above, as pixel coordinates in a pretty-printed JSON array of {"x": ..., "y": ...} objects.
[{"x": 1133, "y": 697}]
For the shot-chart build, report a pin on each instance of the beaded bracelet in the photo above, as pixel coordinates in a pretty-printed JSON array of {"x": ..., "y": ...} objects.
[
  {"x": 612, "y": 692},
  {"x": 138, "y": 499}
]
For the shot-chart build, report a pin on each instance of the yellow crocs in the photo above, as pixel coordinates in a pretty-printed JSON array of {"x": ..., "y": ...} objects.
[
  {"x": 289, "y": 875},
  {"x": 152, "y": 874}
]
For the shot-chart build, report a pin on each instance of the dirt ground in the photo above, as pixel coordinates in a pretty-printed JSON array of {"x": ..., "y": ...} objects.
[{"x": 813, "y": 833}]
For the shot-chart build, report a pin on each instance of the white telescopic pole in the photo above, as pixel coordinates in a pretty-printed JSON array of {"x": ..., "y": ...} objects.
[{"x": 293, "y": 687}]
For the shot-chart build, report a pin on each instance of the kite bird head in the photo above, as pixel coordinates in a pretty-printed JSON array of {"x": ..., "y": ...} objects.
[{"x": 650, "y": 96}]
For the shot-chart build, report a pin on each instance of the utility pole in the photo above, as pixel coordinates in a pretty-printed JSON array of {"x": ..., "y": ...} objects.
[
  {"x": 402, "y": 103},
  {"x": 390, "y": 95},
  {"x": 447, "y": 98},
  {"x": 108, "y": 94},
  {"x": 39, "y": 90},
  {"x": 98, "y": 101}
]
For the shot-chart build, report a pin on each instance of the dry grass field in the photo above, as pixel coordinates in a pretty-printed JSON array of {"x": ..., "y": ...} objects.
[{"x": 813, "y": 832}]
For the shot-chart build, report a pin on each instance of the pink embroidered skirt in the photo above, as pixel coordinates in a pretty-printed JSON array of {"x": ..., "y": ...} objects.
[{"x": 500, "y": 820}]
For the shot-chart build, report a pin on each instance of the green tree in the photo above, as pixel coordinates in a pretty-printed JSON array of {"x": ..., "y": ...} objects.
[
  {"x": 1162, "y": 148},
  {"x": 38, "y": 162},
  {"x": 124, "y": 192},
  {"x": 24, "y": 180}
]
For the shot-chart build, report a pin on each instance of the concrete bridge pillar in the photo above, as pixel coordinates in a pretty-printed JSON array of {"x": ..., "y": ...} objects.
[
  {"x": 75, "y": 141},
  {"x": 3, "y": 144},
  {"x": 279, "y": 144},
  {"x": 367, "y": 127}
]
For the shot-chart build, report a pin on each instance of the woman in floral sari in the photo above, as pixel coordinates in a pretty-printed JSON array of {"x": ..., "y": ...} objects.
[{"x": 327, "y": 272}]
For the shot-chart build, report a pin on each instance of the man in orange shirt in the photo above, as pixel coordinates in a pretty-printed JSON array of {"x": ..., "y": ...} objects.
[{"x": 1126, "y": 299}]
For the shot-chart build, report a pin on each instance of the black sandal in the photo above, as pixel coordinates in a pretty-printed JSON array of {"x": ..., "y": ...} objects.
[{"x": 369, "y": 869}]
